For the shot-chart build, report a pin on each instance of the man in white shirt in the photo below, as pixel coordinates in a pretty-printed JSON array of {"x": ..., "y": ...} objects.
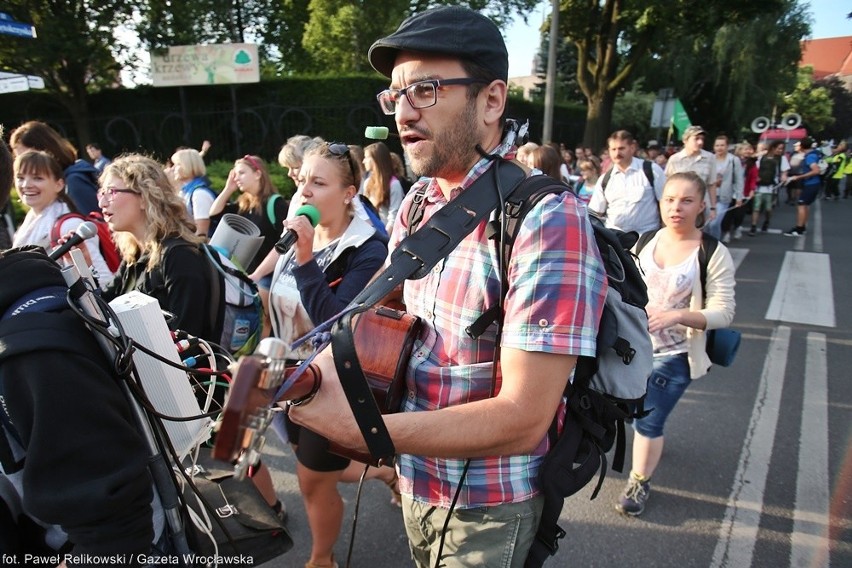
[
  {"x": 693, "y": 158},
  {"x": 628, "y": 195}
]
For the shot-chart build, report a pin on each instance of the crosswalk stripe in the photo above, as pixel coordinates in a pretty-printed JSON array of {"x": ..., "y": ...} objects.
[
  {"x": 803, "y": 292},
  {"x": 738, "y": 531},
  {"x": 811, "y": 515}
]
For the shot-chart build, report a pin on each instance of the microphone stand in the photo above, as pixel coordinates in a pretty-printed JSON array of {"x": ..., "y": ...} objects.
[{"x": 82, "y": 295}]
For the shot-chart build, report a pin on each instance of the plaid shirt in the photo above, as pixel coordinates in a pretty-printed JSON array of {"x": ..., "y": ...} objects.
[{"x": 556, "y": 295}]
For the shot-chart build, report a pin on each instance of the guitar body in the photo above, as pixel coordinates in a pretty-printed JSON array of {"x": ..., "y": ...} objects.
[{"x": 384, "y": 339}]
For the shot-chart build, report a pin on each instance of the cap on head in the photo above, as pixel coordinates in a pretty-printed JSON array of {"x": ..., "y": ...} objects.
[
  {"x": 653, "y": 144},
  {"x": 691, "y": 131},
  {"x": 448, "y": 30}
]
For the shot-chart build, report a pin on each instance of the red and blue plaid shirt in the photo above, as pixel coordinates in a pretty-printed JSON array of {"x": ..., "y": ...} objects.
[{"x": 557, "y": 286}]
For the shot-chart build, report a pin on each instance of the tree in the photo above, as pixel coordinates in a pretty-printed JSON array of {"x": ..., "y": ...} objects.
[
  {"x": 339, "y": 32},
  {"x": 74, "y": 52},
  {"x": 813, "y": 103},
  {"x": 614, "y": 36},
  {"x": 841, "y": 126}
]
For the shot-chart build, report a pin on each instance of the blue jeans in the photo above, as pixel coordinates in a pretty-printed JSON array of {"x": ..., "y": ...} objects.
[{"x": 666, "y": 385}]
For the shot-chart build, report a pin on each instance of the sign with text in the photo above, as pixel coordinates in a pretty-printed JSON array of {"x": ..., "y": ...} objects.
[
  {"x": 219, "y": 64},
  {"x": 9, "y": 26}
]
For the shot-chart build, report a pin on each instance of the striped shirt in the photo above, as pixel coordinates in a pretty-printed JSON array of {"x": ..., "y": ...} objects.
[{"x": 556, "y": 294}]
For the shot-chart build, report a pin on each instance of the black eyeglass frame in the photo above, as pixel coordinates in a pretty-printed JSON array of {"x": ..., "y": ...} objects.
[
  {"x": 341, "y": 149},
  {"x": 435, "y": 83}
]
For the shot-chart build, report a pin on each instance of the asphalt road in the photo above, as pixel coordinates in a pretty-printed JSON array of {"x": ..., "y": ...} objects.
[{"x": 757, "y": 469}]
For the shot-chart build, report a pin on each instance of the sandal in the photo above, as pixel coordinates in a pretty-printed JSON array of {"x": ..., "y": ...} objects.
[
  {"x": 393, "y": 485},
  {"x": 333, "y": 564}
]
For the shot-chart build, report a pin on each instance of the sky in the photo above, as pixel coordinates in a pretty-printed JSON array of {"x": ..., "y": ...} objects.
[{"x": 522, "y": 40}]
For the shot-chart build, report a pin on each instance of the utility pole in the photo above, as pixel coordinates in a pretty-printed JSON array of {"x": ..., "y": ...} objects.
[{"x": 550, "y": 86}]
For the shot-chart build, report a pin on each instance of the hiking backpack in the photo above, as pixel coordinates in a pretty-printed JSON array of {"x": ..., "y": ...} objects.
[
  {"x": 242, "y": 321},
  {"x": 105, "y": 243},
  {"x": 607, "y": 389},
  {"x": 767, "y": 170}
]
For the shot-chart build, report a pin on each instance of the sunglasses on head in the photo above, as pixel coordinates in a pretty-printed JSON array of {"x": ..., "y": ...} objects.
[{"x": 341, "y": 149}]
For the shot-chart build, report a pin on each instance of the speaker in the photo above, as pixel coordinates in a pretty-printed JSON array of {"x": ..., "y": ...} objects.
[
  {"x": 790, "y": 121},
  {"x": 760, "y": 124}
]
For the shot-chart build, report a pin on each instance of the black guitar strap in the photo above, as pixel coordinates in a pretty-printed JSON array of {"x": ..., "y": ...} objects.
[{"x": 415, "y": 256}]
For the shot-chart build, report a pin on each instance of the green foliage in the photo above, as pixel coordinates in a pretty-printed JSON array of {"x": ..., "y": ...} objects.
[
  {"x": 218, "y": 171},
  {"x": 75, "y": 51},
  {"x": 841, "y": 126},
  {"x": 632, "y": 111},
  {"x": 614, "y": 36},
  {"x": 813, "y": 103}
]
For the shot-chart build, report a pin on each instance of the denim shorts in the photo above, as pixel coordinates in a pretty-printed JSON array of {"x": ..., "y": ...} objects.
[
  {"x": 499, "y": 536},
  {"x": 666, "y": 385}
]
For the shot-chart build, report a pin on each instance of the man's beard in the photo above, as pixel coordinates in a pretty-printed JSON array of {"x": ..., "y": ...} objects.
[{"x": 453, "y": 151}]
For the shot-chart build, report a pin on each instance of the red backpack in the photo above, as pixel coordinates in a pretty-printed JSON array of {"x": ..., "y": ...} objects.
[{"x": 107, "y": 246}]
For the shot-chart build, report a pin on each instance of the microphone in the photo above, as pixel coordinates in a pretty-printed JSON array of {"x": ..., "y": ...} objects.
[
  {"x": 376, "y": 132},
  {"x": 85, "y": 231},
  {"x": 289, "y": 238}
]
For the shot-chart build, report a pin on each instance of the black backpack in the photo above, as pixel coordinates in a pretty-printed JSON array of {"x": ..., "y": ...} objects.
[
  {"x": 607, "y": 389},
  {"x": 767, "y": 170}
]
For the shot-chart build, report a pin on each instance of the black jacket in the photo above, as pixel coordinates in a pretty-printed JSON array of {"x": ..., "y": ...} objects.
[
  {"x": 85, "y": 467},
  {"x": 181, "y": 283}
]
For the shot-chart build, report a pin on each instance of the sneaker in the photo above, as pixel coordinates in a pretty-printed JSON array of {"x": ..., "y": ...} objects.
[
  {"x": 738, "y": 234},
  {"x": 794, "y": 232},
  {"x": 726, "y": 238},
  {"x": 633, "y": 499},
  {"x": 753, "y": 231},
  {"x": 764, "y": 228}
]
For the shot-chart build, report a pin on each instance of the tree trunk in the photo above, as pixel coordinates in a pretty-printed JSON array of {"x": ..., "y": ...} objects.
[{"x": 598, "y": 120}]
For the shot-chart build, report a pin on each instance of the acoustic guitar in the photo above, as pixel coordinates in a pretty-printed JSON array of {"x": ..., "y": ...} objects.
[{"x": 384, "y": 339}]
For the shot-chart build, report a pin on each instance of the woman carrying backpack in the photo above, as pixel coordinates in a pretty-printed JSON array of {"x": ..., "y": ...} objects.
[
  {"x": 678, "y": 315},
  {"x": 40, "y": 183},
  {"x": 260, "y": 203}
]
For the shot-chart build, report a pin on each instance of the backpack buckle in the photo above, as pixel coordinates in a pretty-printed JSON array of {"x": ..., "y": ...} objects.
[{"x": 552, "y": 542}]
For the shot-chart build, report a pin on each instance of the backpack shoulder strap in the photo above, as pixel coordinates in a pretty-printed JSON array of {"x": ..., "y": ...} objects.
[
  {"x": 605, "y": 179},
  {"x": 648, "y": 168},
  {"x": 644, "y": 239},
  {"x": 56, "y": 229},
  {"x": 705, "y": 253},
  {"x": 415, "y": 210},
  {"x": 523, "y": 199}
]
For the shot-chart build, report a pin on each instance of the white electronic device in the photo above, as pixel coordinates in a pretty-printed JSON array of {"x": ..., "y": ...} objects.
[{"x": 167, "y": 387}]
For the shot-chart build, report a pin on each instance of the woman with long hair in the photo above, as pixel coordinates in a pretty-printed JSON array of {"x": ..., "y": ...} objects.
[
  {"x": 680, "y": 310},
  {"x": 40, "y": 183},
  {"x": 382, "y": 187},
  {"x": 590, "y": 171},
  {"x": 157, "y": 242},
  {"x": 326, "y": 268},
  {"x": 260, "y": 203}
]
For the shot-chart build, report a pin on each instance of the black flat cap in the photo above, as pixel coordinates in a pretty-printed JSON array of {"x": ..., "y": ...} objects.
[{"x": 448, "y": 30}]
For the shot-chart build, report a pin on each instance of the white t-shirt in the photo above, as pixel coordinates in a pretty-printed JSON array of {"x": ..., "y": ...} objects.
[{"x": 669, "y": 288}]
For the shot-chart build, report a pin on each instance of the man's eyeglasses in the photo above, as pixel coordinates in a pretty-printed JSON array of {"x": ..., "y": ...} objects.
[
  {"x": 422, "y": 94},
  {"x": 111, "y": 191},
  {"x": 341, "y": 149}
]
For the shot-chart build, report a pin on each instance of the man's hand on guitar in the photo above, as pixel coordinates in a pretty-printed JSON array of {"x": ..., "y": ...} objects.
[{"x": 329, "y": 413}]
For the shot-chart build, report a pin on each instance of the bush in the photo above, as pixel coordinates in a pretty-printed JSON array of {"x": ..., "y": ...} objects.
[{"x": 218, "y": 171}]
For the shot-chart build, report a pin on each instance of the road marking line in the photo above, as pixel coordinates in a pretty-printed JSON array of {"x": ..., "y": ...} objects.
[
  {"x": 803, "y": 292},
  {"x": 738, "y": 255},
  {"x": 817, "y": 227},
  {"x": 738, "y": 532},
  {"x": 810, "y": 546}
]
